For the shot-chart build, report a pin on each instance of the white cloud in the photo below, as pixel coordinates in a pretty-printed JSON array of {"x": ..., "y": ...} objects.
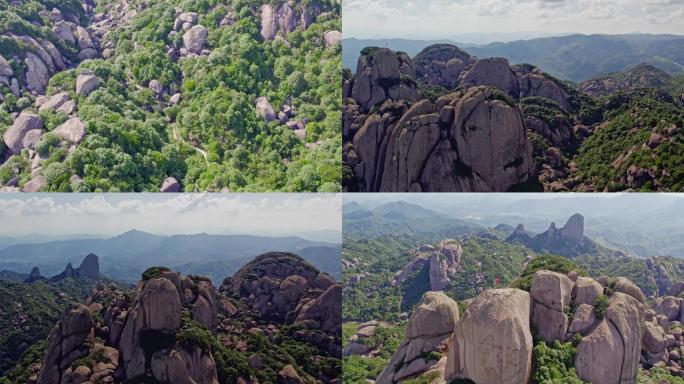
[{"x": 269, "y": 214}]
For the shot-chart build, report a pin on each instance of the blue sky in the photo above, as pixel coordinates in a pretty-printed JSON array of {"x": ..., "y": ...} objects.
[
  {"x": 507, "y": 19},
  {"x": 112, "y": 214}
]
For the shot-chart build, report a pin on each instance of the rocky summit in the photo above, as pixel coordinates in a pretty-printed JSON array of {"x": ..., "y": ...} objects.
[
  {"x": 447, "y": 121},
  {"x": 473, "y": 139},
  {"x": 89, "y": 268},
  {"x": 492, "y": 340},
  {"x": 276, "y": 320}
]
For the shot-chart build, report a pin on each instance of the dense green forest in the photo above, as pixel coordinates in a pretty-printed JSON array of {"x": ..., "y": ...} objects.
[
  {"x": 194, "y": 117},
  {"x": 29, "y": 313}
]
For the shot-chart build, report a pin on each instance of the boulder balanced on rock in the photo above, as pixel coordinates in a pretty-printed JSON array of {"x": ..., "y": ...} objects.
[{"x": 429, "y": 328}]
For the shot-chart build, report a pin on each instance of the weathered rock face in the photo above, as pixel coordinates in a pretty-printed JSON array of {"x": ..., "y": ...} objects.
[
  {"x": 586, "y": 290},
  {"x": 372, "y": 136},
  {"x": 382, "y": 74},
  {"x": 490, "y": 140},
  {"x": 494, "y": 72},
  {"x": 66, "y": 344},
  {"x": 492, "y": 342},
  {"x": 429, "y": 328},
  {"x": 441, "y": 64},
  {"x": 670, "y": 308},
  {"x": 36, "y": 184},
  {"x": 14, "y": 136},
  {"x": 34, "y": 275},
  {"x": 183, "y": 366},
  {"x": 574, "y": 229},
  {"x": 285, "y": 17},
  {"x": 610, "y": 353},
  {"x": 5, "y": 67},
  {"x": 87, "y": 82},
  {"x": 37, "y": 73},
  {"x": 54, "y": 102},
  {"x": 473, "y": 141},
  {"x": 322, "y": 312},
  {"x": 147, "y": 343},
  {"x": 265, "y": 109},
  {"x": 90, "y": 267},
  {"x": 275, "y": 283},
  {"x": 438, "y": 273},
  {"x": 533, "y": 82}
]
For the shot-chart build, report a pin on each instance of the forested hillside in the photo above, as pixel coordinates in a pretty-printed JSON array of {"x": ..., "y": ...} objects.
[{"x": 170, "y": 95}]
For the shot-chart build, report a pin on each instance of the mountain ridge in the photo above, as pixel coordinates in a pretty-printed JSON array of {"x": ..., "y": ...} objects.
[{"x": 120, "y": 255}]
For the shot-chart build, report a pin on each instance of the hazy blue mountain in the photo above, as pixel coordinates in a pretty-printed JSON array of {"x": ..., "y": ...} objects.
[{"x": 126, "y": 256}]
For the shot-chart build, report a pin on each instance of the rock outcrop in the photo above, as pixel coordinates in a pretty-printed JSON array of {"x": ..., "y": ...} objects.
[
  {"x": 170, "y": 185},
  {"x": 495, "y": 72},
  {"x": 283, "y": 18},
  {"x": 441, "y": 64},
  {"x": 134, "y": 340},
  {"x": 148, "y": 337},
  {"x": 66, "y": 344},
  {"x": 472, "y": 141},
  {"x": 276, "y": 283},
  {"x": 87, "y": 82},
  {"x": 395, "y": 141},
  {"x": 551, "y": 293},
  {"x": 573, "y": 230},
  {"x": 265, "y": 109},
  {"x": 429, "y": 328},
  {"x": 442, "y": 263},
  {"x": 283, "y": 288},
  {"x": 14, "y": 136},
  {"x": 492, "y": 342},
  {"x": 34, "y": 276},
  {"x": 72, "y": 131},
  {"x": 610, "y": 352},
  {"x": 194, "y": 39},
  {"x": 383, "y": 74}
]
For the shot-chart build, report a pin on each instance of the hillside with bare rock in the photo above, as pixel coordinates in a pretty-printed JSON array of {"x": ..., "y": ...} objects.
[{"x": 173, "y": 328}]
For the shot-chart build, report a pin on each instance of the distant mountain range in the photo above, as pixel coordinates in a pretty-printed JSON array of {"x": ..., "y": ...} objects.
[
  {"x": 400, "y": 218},
  {"x": 574, "y": 57},
  {"x": 126, "y": 256}
]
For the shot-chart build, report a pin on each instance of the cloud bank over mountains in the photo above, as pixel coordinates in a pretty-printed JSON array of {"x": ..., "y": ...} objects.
[{"x": 460, "y": 19}]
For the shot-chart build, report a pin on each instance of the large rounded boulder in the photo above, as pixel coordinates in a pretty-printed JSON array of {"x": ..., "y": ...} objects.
[
  {"x": 610, "y": 353},
  {"x": 492, "y": 342},
  {"x": 429, "y": 329}
]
